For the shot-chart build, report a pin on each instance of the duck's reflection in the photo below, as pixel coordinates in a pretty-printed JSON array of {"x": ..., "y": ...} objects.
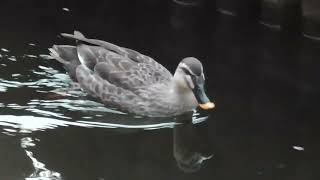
[
  {"x": 40, "y": 171},
  {"x": 90, "y": 144},
  {"x": 191, "y": 145}
]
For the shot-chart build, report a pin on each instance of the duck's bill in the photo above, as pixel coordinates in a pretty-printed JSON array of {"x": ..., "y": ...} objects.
[
  {"x": 202, "y": 98},
  {"x": 208, "y": 105}
]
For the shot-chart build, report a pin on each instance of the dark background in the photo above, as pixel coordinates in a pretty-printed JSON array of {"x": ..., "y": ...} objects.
[{"x": 261, "y": 60}]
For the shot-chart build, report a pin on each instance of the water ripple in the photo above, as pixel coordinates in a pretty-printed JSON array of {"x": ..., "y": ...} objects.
[
  {"x": 145, "y": 127},
  {"x": 28, "y": 124},
  {"x": 48, "y": 113}
]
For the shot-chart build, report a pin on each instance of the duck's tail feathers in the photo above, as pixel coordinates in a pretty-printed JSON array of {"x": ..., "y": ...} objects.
[
  {"x": 55, "y": 55},
  {"x": 67, "y": 55}
]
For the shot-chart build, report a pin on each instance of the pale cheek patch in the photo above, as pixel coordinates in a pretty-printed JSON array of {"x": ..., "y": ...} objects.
[{"x": 189, "y": 82}]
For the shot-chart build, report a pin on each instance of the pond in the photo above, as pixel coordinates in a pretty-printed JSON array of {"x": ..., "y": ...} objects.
[{"x": 264, "y": 83}]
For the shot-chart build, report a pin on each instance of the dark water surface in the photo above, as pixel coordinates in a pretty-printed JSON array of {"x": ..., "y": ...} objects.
[{"x": 265, "y": 84}]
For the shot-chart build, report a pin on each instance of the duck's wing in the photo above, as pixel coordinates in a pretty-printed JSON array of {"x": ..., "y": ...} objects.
[
  {"x": 122, "y": 67},
  {"x": 107, "y": 92}
]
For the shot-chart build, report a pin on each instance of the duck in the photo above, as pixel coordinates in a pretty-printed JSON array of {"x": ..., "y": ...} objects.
[{"x": 132, "y": 82}]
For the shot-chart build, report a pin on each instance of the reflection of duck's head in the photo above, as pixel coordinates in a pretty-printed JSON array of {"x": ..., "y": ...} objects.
[
  {"x": 192, "y": 162},
  {"x": 191, "y": 145},
  {"x": 189, "y": 76}
]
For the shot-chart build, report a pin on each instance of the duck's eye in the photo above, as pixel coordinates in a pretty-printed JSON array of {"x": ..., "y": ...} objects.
[{"x": 189, "y": 81}]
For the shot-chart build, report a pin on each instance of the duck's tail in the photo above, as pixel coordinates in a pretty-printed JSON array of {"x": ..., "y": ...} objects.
[
  {"x": 67, "y": 55},
  {"x": 57, "y": 52}
]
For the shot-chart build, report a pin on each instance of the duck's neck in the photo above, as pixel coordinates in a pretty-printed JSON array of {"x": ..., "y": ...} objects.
[
  {"x": 182, "y": 93},
  {"x": 178, "y": 83}
]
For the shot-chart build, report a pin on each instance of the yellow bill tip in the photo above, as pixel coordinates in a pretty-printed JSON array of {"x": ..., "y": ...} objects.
[{"x": 208, "y": 105}]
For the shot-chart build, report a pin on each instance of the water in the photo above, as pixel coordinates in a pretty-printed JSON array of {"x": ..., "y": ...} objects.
[{"x": 265, "y": 84}]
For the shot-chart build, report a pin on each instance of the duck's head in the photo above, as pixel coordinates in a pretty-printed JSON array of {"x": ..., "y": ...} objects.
[{"x": 189, "y": 77}]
